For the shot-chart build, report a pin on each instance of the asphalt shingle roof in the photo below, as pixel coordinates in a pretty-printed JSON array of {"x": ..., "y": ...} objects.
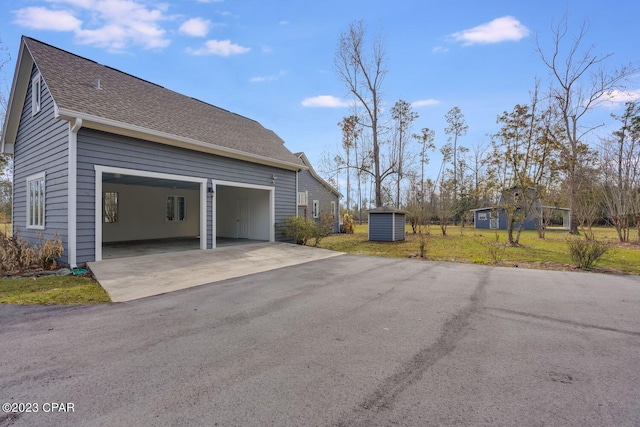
[{"x": 127, "y": 99}]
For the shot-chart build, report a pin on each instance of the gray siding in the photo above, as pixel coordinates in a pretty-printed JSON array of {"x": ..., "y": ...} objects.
[
  {"x": 381, "y": 226},
  {"x": 101, "y": 148},
  {"x": 317, "y": 191},
  {"x": 482, "y": 223},
  {"x": 41, "y": 146}
]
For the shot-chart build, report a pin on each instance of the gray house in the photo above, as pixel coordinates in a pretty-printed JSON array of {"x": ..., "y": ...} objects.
[
  {"x": 495, "y": 217},
  {"x": 316, "y": 196},
  {"x": 101, "y": 156}
]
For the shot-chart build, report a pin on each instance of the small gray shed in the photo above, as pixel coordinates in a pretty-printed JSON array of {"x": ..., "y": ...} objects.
[{"x": 386, "y": 224}]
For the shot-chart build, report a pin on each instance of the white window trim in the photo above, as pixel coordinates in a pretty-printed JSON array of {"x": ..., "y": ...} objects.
[
  {"x": 37, "y": 177},
  {"x": 303, "y": 198},
  {"x": 176, "y": 210},
  {"x": 333, "y": 209},
  {"x": 36, "y": 94},
  {"x": 315, "y": 209}
]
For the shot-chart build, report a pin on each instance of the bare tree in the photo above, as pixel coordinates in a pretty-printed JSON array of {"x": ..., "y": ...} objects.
[
  {"x": 425, "y": 139},
  {"x": 456, "y": 129},
  {"x": 620, "y": 166},
  {"x": 362, "y": 69},
  {"x": 350, "y": 134},
  {"x": 403, "y": 117},
  {"x": 579, "y": 83}
]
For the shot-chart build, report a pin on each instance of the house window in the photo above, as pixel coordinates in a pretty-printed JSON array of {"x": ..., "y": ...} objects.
[
  {"x": 35, "y": 201},
  {"x": 176, "y": 208},
  {"x": 110, "y": 203},
  {"x": 482, "y": 216},
  {"x": 333, "y": 209},
  {"x": 303, "y": 198},
  {"x": 315, "y": 209},
  {"x": 36, "y": 94}
]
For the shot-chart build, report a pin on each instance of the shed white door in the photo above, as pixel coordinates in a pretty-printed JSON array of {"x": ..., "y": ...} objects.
[
  {"x": 494, "y": 222},
  {"x": 242, "y": 212}
]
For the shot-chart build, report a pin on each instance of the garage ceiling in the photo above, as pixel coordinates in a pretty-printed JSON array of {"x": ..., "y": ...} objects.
[{"x": 115, "y": 178}]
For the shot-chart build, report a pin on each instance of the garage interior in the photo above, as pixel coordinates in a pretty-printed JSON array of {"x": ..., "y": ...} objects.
[{"x": 145, "y": 215}]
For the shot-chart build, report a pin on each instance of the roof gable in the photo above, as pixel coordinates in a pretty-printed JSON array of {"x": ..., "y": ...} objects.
[
  {"x": 123, "y": 101},
  {"x": 307, "y": 163}
]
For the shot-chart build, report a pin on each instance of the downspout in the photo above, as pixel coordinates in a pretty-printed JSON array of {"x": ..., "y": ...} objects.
[
  {"x": 74, "y": 127},
  {"x": 297, "y": 192}
]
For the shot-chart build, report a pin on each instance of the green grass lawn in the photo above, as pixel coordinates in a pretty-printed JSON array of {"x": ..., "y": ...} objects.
[
  {"x": 52, "y": 290},
  {"x": 479, "y": 246}
]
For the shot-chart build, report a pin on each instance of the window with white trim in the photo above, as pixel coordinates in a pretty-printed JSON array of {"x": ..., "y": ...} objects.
[
  {"x": 176, "y": 208},
  {"x": 333, "y": 209},
  {"x": 303, "y": 198},
  {"x": 315, "y": 209},
  {"x": 482, "y": 216},
  {"x": 35, "y": 201},
  {"x": 36, "y": 94}
]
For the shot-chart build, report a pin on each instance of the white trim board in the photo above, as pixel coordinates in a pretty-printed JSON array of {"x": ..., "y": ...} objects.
[
  {"x": 272, "y": 210},
  {"x": 134, "y": 172}
]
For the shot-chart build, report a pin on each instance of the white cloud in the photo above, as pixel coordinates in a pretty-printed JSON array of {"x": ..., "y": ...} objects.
[
  {"x": 209, "y": 1},
  {"x": 283, "y": 22},
  {"x": 425, "y": 103},
  {"x": 617, "y": 98},
  {"x": 196, "y": 27},
  {"x": 40, "y": 18},
  {"x": 219, "y": 48},
  {"x": 499, "y": 30},
  {"x": 325, "y": 101},
  {"x": 439, "y": 49},
  {"x": 111, "y": 24},
  {"x": 260, "y": 79}
]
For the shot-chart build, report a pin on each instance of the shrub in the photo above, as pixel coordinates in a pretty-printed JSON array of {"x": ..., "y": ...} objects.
[
  {"x": 495, "y": 250},
  {"x": 303, "y": 229},
  {"x": 585, "y": 253},
  {"x": 48, "y": 251},
  {"x": 298, "y": 228},
  {"x": 16, "y": 254},
  {"x": 322, "y": 228},
  {"x": 348, "y": 226}
]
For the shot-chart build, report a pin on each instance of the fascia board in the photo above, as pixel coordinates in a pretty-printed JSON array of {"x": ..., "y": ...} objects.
[
  {"x": 21, "y": 79},
  {"x": 126, "y": 129}
]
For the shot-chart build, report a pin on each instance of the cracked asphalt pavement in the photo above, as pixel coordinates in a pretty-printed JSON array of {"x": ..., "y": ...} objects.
[{"x": 345, "y": 341}]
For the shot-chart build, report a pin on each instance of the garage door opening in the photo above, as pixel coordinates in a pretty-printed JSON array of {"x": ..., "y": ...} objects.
[
  {"x": 143, "y": 213},
  {"x": 242, "y": 213}
]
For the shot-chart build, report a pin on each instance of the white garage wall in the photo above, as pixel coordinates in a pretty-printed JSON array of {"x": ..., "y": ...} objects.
[
  {"x": 141, "y": 214},
  {"x": 227, "y": 215}
]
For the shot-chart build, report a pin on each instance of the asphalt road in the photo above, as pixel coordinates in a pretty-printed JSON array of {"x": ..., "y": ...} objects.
[{"x": 342, "y": 341}]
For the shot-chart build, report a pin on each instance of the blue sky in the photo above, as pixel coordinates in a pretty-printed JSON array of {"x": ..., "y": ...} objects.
[{"x": 273, "y": 61}]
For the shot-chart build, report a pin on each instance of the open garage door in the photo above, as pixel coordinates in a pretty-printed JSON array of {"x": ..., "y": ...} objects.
[
  {"x": 143, "y": 212},
  {"x": 242, "y": 212}
]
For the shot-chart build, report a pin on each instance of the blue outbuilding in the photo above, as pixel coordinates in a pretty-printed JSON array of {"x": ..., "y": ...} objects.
[{"x": 387, "y": 224}]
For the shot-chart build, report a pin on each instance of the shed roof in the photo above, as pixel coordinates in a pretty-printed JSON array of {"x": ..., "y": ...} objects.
[
  {"x": 126, "y": 102},
  {"x": 386, "y": 209}
]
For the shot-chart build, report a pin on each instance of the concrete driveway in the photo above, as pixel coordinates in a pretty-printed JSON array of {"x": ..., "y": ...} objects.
[
  {"x": 344, "y": 341},
  {"x": 130, "y": 278}
]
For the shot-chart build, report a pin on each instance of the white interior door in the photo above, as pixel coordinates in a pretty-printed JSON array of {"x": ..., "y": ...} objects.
[{"x": 242, "y": 213}]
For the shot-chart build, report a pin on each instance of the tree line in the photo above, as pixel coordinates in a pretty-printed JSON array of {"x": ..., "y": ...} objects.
[{"x": 543, "y": 146}]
